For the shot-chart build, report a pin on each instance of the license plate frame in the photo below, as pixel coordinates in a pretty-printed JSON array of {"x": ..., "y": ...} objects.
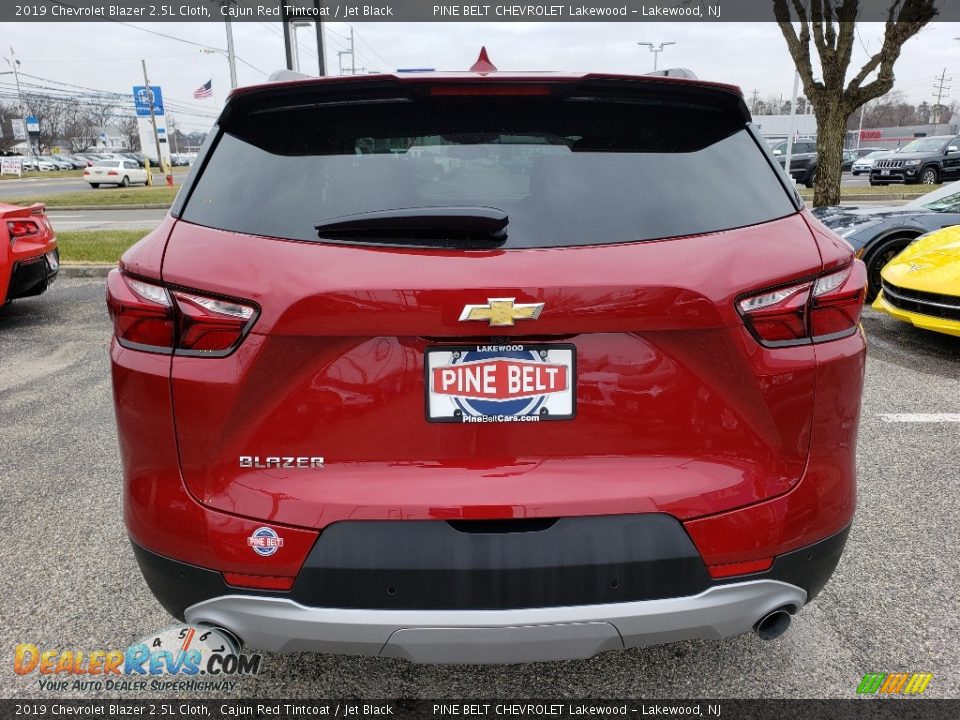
[{"x": 552, "y": 406}]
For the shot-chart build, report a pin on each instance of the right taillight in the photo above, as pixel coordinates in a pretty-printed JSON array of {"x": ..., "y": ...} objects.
[
  {"x": 824, "y": 308},
  {"x": 148, "y": 316}
]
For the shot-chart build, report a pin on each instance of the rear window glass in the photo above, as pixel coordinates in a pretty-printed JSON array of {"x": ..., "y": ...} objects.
[
  {"x": 106, "y": 163},
  {"x": 565, "y": 172}
]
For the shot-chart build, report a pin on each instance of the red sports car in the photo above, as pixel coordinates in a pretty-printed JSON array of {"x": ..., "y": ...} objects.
[
  {"x": 29, "y": 259},
  {"x": 487, "y": 367}
]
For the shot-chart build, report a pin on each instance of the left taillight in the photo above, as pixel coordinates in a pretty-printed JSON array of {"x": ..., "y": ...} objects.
[
  {"x": 151, "y": 317},
  {"x": 824, "y": 308},
  {"x": 22, "y": 229}
]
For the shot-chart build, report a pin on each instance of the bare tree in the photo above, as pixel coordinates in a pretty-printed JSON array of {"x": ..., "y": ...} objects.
[
  {"x": 130, "y": 132},
  {"x": 102, "y": 113},
  {"x": 7, "y": 113},
  {"x": 50, "y": 112},
  {"x": 829, "y": 24},
  {"x": 79, "y": 128}
]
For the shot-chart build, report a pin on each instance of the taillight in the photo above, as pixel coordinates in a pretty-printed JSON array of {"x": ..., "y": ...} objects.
[
  {"x": 112, "y": 172},
  {"x": 825, "y": 308},
  {"x": 148, "y": 316},
  {"x": 22, "y": 229}
]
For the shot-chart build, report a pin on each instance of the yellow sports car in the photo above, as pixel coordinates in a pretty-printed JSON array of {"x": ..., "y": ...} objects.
[{"x": 921, "y": 285}]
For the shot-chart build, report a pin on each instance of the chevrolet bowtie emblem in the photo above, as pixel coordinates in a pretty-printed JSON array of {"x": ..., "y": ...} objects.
[{"x": 502, "y": 312}]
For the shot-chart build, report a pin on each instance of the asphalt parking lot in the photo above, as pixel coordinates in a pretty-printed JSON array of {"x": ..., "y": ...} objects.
[{"x": 70, "y": 581}]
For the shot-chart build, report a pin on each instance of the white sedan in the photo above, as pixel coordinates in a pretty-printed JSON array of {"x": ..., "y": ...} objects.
[
  {"x": 865, "y": 164},
  {"x": 114, "y": 172}
]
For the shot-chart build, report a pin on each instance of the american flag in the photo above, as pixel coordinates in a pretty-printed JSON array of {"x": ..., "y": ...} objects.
[{"x": 204, "y": 91}]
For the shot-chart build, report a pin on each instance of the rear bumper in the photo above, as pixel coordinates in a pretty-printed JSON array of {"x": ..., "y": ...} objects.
[
  {"x": 496, "y": 636},
  {"x": 426, "y": 633},
  {"x": 33, "y": 276}
]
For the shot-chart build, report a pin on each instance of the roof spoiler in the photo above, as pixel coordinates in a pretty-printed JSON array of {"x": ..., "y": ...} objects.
[{"x": 675, "y": 72}]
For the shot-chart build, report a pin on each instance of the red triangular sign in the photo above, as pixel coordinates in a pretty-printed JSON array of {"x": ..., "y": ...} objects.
[{"x": 483, "y": 63}]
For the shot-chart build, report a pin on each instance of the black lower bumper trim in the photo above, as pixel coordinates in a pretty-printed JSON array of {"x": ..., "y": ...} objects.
[
  {"x": 475, "y": 565},
  {"x": 626, "y": 561},
  {"x": 31, "y": 277}
]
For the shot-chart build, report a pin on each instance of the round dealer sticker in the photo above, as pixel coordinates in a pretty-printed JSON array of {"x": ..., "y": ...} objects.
[{"x": 265, "y": 541}]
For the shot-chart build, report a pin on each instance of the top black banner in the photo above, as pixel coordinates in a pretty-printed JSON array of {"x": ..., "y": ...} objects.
[{"x": 441, "y": 11}]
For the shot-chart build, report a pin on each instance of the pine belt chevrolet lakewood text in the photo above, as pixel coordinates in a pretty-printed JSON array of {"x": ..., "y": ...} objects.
[{"x": 487, "y": 368}]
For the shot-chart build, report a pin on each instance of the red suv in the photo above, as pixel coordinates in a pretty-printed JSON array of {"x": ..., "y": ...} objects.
[{"x": 487, "y": 368}]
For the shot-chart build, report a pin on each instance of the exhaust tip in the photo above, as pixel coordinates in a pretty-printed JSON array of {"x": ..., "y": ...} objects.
[
  {"x": 773, "y": 625},
  {"x": 234, "y": 643}
]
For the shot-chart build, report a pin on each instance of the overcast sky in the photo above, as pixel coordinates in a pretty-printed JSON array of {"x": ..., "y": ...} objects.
[{"x": 752, "y": 55}]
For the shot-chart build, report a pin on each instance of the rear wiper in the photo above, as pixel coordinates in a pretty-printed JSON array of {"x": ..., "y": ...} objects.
[{"x": 433, "y": 224}]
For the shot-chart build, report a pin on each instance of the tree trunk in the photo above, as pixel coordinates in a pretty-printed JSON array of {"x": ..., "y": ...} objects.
[{"x": 831, "y": 133}]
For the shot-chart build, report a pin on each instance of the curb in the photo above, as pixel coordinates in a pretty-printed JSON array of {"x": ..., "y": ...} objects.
[
  {"x": 75, "y": 208},
  {"x": 84, "y": 271}
]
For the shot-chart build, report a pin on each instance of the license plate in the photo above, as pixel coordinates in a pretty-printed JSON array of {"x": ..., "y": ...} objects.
[
  {"x": 500, "y": 383},
  {"x": 884, "y": 172}
]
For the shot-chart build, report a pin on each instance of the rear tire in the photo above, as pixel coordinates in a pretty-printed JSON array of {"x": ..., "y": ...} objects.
[
  {"x": 855, "y": 172},
  {"x": 94, "y": 185},
  {"x": 877, "y": 258},
  {"x": 125, "y": 182},
  {"x": 877, "y": 182},
  {"x": 811, "y": 178}
]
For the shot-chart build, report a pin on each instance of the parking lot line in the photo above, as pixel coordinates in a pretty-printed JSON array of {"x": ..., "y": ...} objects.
[{"x": 920, "y": 417}]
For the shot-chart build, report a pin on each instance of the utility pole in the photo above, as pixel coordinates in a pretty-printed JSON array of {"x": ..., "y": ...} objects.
[
  {"x": 353, "y": 55},
  {"x": 940, "y": 87},
  {"x": 753, "y": 105},
  {"x": 153, "y": 117},
  {"x": 14, "y": 63}
]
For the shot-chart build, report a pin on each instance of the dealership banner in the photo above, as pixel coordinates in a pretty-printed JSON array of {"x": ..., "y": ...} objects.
[
  {"x": 454, "y": 709},
  {"x": 11, "y": 166},
  {"x": 427, "y": 11}
]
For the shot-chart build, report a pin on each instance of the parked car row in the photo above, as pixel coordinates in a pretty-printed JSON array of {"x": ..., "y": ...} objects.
[
  {"x": 879, "y": 233},
  {"x": 926, "y": 160},
  {"x": 78, "y": 161}
]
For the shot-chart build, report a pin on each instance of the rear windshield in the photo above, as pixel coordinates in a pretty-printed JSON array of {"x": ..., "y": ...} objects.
[
  {"x": 565, "y": 172},
  {"x": 106, "y": 163}
]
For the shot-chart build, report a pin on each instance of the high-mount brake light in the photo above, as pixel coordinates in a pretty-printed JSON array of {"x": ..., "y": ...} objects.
[
  {"x": 818, "y": 310},
  {"x": 482, "y": 89},
  {"x": 147, "y": 316}
]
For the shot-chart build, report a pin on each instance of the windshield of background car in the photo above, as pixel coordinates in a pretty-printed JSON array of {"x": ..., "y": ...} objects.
[
  {"x": 924, "y": 145},
  {"x": 566, "y": 173},
  {"x": 942, "y": 199}
]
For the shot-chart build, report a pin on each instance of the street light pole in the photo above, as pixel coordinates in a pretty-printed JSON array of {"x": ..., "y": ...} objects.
[
  {"x": 656, "y": 49},
  {"x": 231, "y": 57}
]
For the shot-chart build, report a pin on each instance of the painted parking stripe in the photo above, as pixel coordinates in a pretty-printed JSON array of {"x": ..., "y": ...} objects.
[{"x": 920, "y": 417}]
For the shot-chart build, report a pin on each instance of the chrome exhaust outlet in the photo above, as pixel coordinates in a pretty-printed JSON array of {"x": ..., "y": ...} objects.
[{"x": 773, "y": 624}]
